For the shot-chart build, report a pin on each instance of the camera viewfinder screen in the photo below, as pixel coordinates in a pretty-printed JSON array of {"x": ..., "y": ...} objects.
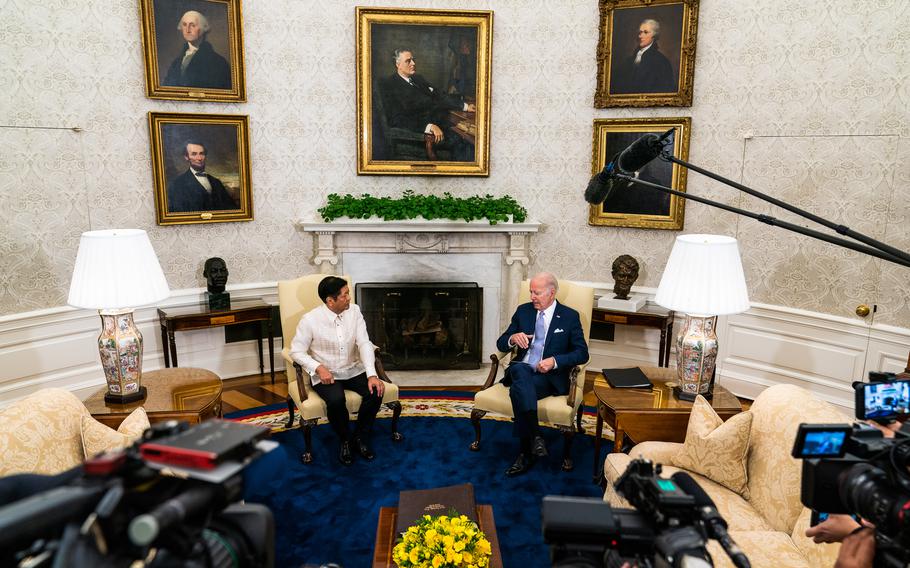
[
  {"x": 821, "y": 443},
  {"x": 887, "y": 399}
]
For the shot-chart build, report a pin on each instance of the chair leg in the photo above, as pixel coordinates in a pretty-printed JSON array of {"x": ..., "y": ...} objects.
[
  {"x": 476, "y": 415},
  {"x": 578, "y": 419},
  {"x": 395, "y": 406},
  {"x": 307, "y": 425},
  {"x": 568, "y": 434},
  {"x": 291, "y": 405}
]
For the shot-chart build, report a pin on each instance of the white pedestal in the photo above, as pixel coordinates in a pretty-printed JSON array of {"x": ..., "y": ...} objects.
[{"x": 633, "y": 304}]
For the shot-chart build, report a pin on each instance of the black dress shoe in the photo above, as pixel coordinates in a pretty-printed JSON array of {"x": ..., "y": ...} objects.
[
  {"x": 363, "y": 449},
  {"x": 344, "y": 456},
  {"x": 539, "y": 449},
  {"x": 522, "y": 464}
]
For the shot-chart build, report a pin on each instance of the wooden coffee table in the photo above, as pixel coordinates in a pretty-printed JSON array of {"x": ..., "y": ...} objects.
[
  {"x": 655, "y": 414},
  {"x": 385, "y": 536},
  {"x": 180, "y": 393}
]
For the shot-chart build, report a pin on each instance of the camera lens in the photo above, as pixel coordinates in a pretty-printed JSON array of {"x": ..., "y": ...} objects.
[{"x": 866, "y": 491}]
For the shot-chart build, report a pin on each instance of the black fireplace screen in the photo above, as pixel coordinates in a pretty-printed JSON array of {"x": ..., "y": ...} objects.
[{"x": 425, "y": 325}]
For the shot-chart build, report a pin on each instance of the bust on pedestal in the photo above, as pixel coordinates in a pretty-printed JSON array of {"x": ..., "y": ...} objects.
[
  {"x": 216, "y": 275},
  {"x": 625, "y": 273}
]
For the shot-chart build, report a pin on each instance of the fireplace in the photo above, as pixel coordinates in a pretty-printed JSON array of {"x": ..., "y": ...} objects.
[{"x": 424, "y": 325}]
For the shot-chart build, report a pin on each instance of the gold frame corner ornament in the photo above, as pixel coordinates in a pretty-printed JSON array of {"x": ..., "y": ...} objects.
[
  {"x": 675, "y": 220},
  {"x": 603, "y": 98},
  {"x": 366, "y": 19},
  {"x": 153, "y": 87},
  {"x": 157, "y": 121}
]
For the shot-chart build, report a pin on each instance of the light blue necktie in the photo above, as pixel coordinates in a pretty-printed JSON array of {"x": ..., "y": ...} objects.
[{"x": 535, "y": 350}]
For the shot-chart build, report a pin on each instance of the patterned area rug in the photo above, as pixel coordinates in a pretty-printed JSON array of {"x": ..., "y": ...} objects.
[{"x": 452, "y": 404}]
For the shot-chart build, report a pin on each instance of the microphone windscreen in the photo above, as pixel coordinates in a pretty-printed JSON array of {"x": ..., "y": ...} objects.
[
  {"x": 691, "y": 487},
  {"x": 639, "y": 153},
  {"x": 599, "y": 188}
]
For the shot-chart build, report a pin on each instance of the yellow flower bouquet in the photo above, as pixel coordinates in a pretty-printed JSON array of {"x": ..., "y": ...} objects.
[{"x": 443, "y": 542}]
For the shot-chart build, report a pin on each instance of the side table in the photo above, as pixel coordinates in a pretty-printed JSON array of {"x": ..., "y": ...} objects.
[
  {"x": 650, "y": 316},
  {"x": 654, "y": 414},
  {"x": 186, "y": 394},
  {"x": 199, "y": 316}
]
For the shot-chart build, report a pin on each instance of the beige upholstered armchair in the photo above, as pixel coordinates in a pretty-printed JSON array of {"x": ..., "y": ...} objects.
[
  {"x": 562, "y": 411},
  {"x": 295, "y": 298}
]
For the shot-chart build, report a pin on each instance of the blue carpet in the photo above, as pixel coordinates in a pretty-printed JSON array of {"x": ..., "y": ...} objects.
[{"x": 326, "y": 512}]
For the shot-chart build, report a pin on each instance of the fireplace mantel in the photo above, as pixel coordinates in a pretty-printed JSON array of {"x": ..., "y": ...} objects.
[
  {"x": 376, "y": 250},
  {"x": 414, "y": 226}
]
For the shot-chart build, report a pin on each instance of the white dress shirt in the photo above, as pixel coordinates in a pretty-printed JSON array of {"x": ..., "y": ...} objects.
[
  {"x": 547, "y": 318},
  {"x": 642, "y": 52},
  {"x": 203, "y": 180},
  {"x": 338, "y": 341}
]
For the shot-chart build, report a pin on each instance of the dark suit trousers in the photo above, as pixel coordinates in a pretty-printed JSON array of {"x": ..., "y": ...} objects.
[
  {"x": 333, "y": 395},
  {"x": 528, "y": 386}
]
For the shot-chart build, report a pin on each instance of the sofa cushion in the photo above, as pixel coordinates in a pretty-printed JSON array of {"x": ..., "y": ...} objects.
[
  {"x": 42, "y": 433},
  {"x": 739, "y": 513},
  {"x": 762, "y": 548},
  {"x": 717, "y": 449},
  {"x": 97, "y": 438}
]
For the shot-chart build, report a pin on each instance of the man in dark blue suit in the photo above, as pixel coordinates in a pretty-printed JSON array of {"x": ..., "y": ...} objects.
[{"x": 550, "y": 342}]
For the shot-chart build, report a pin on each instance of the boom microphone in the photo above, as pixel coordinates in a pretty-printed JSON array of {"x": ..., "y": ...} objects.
[
  {"x": 633, "y": 158},
  {"x": 714, "y": 523}
]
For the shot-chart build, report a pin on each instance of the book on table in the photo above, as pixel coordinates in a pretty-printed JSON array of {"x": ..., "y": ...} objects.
[
  {"x": 632, "y": 378},
  {"x": 414, "y": 504}
]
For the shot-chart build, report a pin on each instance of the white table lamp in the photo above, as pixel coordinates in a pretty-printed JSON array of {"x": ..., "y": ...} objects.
[
  {"x": 703, "y": 279},
  {"x": 117, "y": 270}
]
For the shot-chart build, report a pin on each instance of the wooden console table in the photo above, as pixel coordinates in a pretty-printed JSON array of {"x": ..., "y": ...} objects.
[
  {"x": 649, "y": 316},
  {"x": 199, "y": 316},
  {"x": 187, "y": 394}
]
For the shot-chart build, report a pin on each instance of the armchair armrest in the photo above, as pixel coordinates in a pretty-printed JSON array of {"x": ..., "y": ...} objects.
[
  {"x": 495, "y": 360},
  {"x": 380, "y": 370},
  {"x": 573, "y": 381},
  {"x": 301, "y": 385}
]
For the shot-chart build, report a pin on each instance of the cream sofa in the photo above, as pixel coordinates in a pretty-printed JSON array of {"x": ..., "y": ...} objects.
[
  {"x": 51, "y": 431},
  {"x": 771, "y": 524}
]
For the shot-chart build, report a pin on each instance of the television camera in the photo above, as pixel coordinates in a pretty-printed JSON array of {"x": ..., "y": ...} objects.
[
  {"x": 669, "y": 527},
  {"x": 136, "y": 505},
  {"x": 854, "y": 469}
]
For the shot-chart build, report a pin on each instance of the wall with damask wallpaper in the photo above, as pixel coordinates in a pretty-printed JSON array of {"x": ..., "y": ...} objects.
[{"x": 805, "y": 100}]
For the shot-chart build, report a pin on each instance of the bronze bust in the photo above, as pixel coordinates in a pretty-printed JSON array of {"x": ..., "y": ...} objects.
[
  {"x": 625, "y": 273},
  {"x": 216, "y": 274}
]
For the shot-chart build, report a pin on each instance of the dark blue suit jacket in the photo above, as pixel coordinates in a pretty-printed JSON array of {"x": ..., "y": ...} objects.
[{"x": 565, "y": 341}]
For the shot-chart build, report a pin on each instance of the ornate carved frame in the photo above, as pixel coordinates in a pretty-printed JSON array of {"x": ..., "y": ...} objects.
[{"x": 606, "y": 52}]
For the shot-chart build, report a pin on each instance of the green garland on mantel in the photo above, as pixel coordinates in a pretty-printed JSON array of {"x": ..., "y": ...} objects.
[{"x": 411, "y": 206}]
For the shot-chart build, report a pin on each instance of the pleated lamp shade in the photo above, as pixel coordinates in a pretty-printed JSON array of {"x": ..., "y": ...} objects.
[
  {"x": 116, "y": 268},
  {"x": 704, "y": 276}
]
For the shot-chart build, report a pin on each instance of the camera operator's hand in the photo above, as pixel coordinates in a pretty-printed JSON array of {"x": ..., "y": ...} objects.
[
  {"x": 887, "y": 430},
  {"x": 325, "y": 376},
  {"x": 857, "y": 550},
  {"x": 833, "y": 529}
]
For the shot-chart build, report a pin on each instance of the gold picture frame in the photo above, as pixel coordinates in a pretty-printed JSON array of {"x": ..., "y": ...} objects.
[
  {"x": 646, "y": 53},
  {"x": 201, "y": 167},
  {"x": 638, "y": 206},
  {"x": 213, "y": 69},
  {"x": 449, "y": 89}
]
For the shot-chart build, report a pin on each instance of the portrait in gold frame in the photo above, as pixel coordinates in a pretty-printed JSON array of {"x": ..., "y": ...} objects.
[
  {"x": 210, "y": 71},
  {"x": 451, "y": 56},
  {"x": 635, "y": 205},
  {"x": 201, "y": 168},
  {"x": 646, "y": 53}
]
